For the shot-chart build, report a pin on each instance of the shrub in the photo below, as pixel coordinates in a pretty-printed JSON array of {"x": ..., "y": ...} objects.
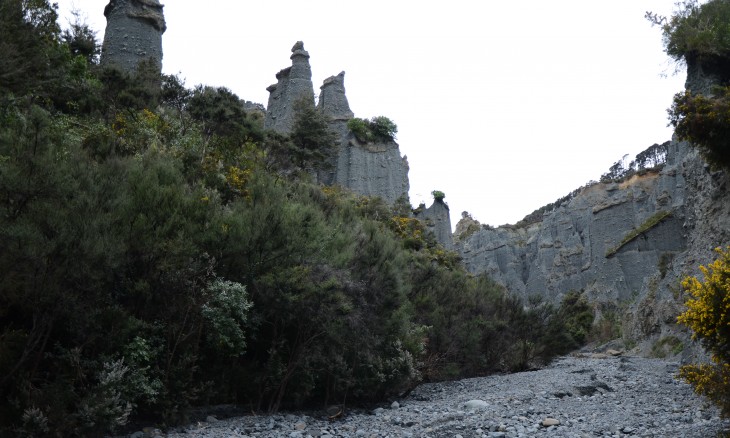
[
  {"x": 708, "y": 315},
  {"x": 703, "y": 121},
  {"x": 695, "y": 29},
  {"x": 377, "y": 129},
  {"x": 438, "y": 195}
]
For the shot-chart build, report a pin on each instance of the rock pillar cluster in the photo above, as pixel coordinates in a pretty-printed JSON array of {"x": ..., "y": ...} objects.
[
  {"x": 372, "y": 169},
  {"x": 133, "y": 34}
]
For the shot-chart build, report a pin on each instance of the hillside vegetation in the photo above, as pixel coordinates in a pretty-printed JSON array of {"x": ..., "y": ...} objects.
[{"x": 159, "y": 250}]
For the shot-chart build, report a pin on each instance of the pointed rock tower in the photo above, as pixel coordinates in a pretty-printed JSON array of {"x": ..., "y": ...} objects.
[
  {"x": 133, "y": 34},
  {"x": 293, "y": 83},
  {"x": 371, "y": 169}
]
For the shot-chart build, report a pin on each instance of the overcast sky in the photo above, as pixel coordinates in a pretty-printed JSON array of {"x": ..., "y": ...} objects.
[{"x": 504, "y": 106}]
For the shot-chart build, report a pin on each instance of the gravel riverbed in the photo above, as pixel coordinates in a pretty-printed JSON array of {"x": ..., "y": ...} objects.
[{"x": 576, "y": 396}]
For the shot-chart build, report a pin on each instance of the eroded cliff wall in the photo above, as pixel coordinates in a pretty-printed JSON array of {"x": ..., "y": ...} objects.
[{"x": 626, "y": 245}]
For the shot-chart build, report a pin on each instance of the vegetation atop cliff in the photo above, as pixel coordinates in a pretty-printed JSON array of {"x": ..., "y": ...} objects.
[{"x": 699, "y": 35}]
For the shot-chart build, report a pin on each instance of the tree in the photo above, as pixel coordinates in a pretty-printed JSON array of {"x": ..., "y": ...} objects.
[
  {"x": 312, "y": 139},
  {"x": 708, "y": 315},
  {"x": 696, "y": 30},
  {"x": 81, "y": 39},
  {"x": 28, "y": 37}
]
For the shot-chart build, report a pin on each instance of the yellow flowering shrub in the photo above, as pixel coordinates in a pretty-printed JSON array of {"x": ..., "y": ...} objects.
[{"x": 708, "y": 315}]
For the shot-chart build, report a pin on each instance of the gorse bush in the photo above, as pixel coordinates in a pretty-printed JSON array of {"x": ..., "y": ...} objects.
[{"x": 708, "y": 316}]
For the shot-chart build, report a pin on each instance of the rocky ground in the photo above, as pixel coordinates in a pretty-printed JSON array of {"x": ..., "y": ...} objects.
[{"x": 577, "y": 396}]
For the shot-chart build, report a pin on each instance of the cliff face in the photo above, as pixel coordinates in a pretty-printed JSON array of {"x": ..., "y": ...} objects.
[
  {"x": 570, "y": 249},
  {"x": 624, "y": 244},
  {"x": 133, "y": 34},
  {"x": 368, "y": 169}
]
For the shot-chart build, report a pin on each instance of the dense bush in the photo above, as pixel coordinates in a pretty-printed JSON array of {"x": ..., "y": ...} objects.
[
  {"x": 696, "y": 30},
  {"x": 703, "y": 121},
  {"x": 377, "y": 129},
  {"x": 708, "y": 315}
]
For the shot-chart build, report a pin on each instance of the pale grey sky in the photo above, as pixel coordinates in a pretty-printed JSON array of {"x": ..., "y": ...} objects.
[{"x": 503, "y": 106}]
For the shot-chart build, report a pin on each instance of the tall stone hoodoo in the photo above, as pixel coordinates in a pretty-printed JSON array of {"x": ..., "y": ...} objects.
[
  {"x": 438, "y": 219},
  {"x": 133, "y": 34},
  {"x": 372, "y": 169},
  {"x": 293, "y": 83}
]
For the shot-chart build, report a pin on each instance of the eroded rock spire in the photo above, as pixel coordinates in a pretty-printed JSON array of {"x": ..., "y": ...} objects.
[{"x": 133, "y": 34}]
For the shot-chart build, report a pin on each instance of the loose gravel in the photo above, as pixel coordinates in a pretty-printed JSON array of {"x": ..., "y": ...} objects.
[{"x": 576, "y": 396}]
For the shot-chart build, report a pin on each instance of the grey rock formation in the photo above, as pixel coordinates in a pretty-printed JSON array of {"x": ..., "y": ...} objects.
[
  {"x": 703, "y": 74},
  {"x": 372, "y": 169},
  {"x": 580, "y": 245},
  {"x": 568, "y": 249},
  {"x": 293, "y": 83},
  {"x": 438, "y": 220},
  {"x": 571, "y": 249},
  {"x": 133, "y": 34},
  {"x": 367, "y": 169},
  {"x": 333, "y": 101}
]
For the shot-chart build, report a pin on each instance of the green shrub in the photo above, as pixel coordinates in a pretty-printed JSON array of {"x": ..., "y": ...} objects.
[
  {"x": 695, "y": 29},
  {"x": 667, "y": 345},
  {"x": 377, "y": 129},
  {"x": 360, "y": 129},
  {"x": 703, "y": 121},
  {"x": 438, "y": 195}
]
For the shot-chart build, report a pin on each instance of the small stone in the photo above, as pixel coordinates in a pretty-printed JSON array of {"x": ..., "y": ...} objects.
[
  {"x": 378, "y": 411},
  {"x": 394, "y": 405},
  {"x": 612, "y": 352},
  {"x": 547, "y": 422},
  {"x": 300, "y": 426},
  {"x": 476, "y": 404},
  {"x": 211, "y": 419},
  {"x": 334, "y": 411}
]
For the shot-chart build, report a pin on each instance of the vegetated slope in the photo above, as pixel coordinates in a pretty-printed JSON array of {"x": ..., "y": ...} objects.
[{"x": 160, "y": 250}]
